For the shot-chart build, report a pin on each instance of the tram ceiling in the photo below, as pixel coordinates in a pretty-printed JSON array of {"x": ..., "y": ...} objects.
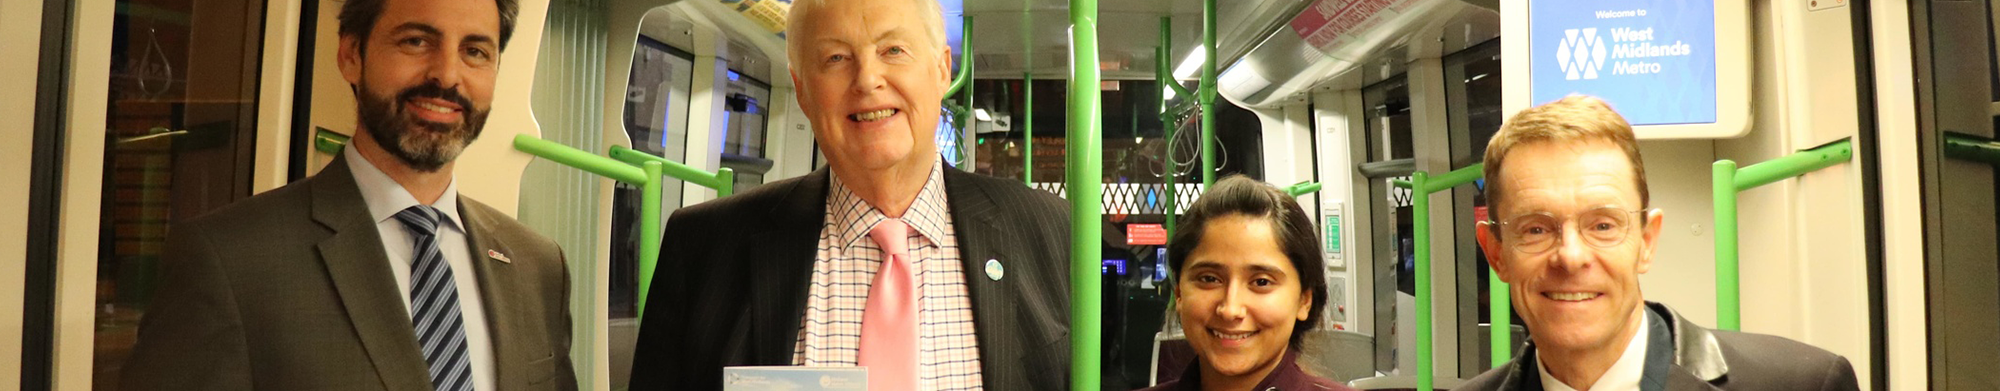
[
  {"x": 1008, "y": 28},
  {"x": 1285, "y": 65}
]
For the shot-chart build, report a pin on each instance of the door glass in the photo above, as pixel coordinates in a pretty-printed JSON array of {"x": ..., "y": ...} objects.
[
  {"x": 1387, "y": 119},
  {"x": 181, "y": 119}
]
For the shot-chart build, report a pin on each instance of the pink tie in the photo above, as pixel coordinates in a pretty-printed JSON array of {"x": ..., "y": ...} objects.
[{"x": 889, "y": 322}]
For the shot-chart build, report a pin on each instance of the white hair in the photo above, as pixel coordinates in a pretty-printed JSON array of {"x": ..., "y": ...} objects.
[{"x": 933, "y": 17}]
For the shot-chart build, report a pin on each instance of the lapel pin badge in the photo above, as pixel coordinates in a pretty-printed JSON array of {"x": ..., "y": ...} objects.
[
  {"x": 994, "y": 271},
  {"x": 496, "y": 255}
]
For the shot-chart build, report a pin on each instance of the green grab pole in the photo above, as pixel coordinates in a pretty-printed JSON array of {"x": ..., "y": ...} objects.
[
  {"x": 1456, "y": 177},
  {"x": 1028, "y": 125},
  {"x": 1402, "y": 183},
  {"x": 725, "y": 182},
  {"x": 1500, "y": 318},
  {"x": 564, "y": 155},
  {"x": 964, "y": 60},
  {"x": 329, "y": 141},
  {"x": 1421, "y": 216},
  {"x": 1302, "y": 188},
  {"x": 1967, "y": 147},
  {"x": 668, "y": 167},
  {"x": 1728, "y": 306},
  {"x": 1085, "y": 185},
  {"x": 1793, "y": 165},
  {"x": 1166, "y": 59},
  {"x": 1207, "y": 93},
  {"x": 1168, "y": 127},
  {"x": 649, "y": 230}
]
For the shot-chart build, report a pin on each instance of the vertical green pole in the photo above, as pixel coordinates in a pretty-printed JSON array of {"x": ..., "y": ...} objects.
[
  {"x": 725, "y": 182},
  {"x": 1728, "y": 306},
  {"x": 1207, "y": 93},
  {"x": 1085, "y": 182},
  {"x": 649, "y": 228},
  {"x": 1028, "y": 96},
  {"x": 1163, "y": 74},
  {"x": 1421, "y": 216},
  {"x": 964, "y": 117},
  {"x": 1500, "y": 318},
  {"x": 1028, "y": 124}
]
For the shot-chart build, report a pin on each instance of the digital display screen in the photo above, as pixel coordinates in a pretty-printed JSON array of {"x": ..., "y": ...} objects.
[{"x": 1652, "y": 60}]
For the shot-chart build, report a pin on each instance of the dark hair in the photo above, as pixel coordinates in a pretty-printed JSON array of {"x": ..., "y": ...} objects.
[
  {"x": 357, "y": 18},
  {"x": 1239, "y": 195}
]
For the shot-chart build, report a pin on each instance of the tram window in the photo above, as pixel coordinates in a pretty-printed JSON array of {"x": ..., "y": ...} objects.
[
  {"x": 656, "y": 118},
  {"x": 180, "y": 138},
  {"x": 745, "y": 112},
  {"x": 1388, "y": 120}
]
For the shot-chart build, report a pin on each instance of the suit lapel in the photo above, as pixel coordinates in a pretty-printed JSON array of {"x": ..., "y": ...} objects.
[
  {"x": 360, "y": 271},
  {"x": 503, "y": 300},
  {"x": 785, "y": 250},
  {"x": 993, "y": 301}
]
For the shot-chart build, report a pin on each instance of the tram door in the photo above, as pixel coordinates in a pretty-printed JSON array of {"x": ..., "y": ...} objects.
[{"x": 1958, "y": 89}]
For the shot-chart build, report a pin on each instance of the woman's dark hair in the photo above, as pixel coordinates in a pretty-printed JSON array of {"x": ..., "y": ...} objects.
[{"x": 1297, "y": 237}]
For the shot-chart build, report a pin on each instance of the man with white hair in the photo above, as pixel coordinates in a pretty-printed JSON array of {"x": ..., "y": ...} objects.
[{"x": 930, "y": 277}]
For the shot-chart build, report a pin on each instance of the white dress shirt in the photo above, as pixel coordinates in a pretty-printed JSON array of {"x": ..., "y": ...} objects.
[
  {"x": 1624, "y": 374},
  {"x": 385, "y": 198}
]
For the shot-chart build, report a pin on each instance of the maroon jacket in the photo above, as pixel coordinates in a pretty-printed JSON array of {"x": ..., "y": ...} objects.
[{"x": 1287, "y": 377}]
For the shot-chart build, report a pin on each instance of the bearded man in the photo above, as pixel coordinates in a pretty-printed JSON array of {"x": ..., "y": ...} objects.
[{"x": 374, "y": 274}]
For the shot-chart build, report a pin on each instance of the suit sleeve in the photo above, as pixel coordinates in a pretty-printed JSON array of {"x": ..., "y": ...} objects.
[
  {"x": 659, "y": 357},
  {"x": 1840, "y": 376},
  {"x": 566, "y": 367},
  {"x": 192, "y": 335}
]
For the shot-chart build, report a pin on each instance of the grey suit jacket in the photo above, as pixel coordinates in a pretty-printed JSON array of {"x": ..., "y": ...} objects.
[
  {"x": 291, "y": 290},
  {"x": 734, "y": 274},
  {"x": 1704, "y": 359}
]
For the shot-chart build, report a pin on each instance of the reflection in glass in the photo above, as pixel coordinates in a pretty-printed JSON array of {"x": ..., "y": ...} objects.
[{"x": 181, "y": 122}]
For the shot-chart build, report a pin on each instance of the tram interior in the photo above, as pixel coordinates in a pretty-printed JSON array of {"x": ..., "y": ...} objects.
[{"x": 1405, "y": 86}]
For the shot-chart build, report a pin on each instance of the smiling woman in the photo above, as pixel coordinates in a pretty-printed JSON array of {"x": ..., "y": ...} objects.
[{"x": 1248, "y": 283}]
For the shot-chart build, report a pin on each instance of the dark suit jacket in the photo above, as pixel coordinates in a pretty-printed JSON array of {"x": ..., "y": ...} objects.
[
  {"x": 291, "y": 290},
  {"x": 734, "y": 273},
  {"x": 1705, "y": 359}
]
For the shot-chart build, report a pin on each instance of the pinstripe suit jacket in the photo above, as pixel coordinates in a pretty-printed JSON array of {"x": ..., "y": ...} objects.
[
  {"x": 734, "y": 273},
  {"x": 291, "y": 290}
]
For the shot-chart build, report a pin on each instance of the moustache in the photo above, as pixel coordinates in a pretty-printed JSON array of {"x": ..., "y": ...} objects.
[{"x": 431, "y": 89}]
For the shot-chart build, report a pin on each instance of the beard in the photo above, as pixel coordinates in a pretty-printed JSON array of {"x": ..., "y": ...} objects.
[{"x": 423, "y": 145}]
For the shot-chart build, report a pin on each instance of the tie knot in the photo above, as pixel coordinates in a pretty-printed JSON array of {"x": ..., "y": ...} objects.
[
  {"x": 891, "y": 235},
  {"x": 420, "y": 218}
]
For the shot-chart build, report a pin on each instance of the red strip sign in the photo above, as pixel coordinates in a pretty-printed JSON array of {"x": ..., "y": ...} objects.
[{"x": 1145, "y": 235}]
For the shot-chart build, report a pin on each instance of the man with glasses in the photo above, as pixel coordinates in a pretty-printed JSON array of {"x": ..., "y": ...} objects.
[{"x": 1571, "y": 236}]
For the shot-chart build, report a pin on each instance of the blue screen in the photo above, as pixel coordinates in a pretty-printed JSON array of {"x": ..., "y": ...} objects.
[{"x": 1652, "y": 60}]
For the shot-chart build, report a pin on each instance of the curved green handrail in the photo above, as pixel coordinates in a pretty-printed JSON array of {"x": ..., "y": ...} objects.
[{"x": 1728, "y": 181}]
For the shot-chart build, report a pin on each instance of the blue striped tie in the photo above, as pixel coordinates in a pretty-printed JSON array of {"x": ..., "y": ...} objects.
[{"x": 434, "y": 305}]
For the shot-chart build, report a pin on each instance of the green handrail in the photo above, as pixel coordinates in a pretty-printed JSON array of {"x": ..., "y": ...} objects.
[
  {"x": 1728, "y": 181},
  {"x": 1302, "y": 188},
  {"x": 1207, "y": 93},
  {"x": 1028, "y": 94},
  {"x": 1421, "y": 215},
  {"x": 1085, "y": 182},
  {"x": 564, "y": 155},
  {"x": 723, "y": 180},
  {"x": 1968, "y": 147},
  {"x": 964, "y": 77},
  {"x": 1163, "y": 74},
  {"x": 1499, "y": 302},
  {"x": 649, "y": 174},
  {"x": 329, "y": 141}
]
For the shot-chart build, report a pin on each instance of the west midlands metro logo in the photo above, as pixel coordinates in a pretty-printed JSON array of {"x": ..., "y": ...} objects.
[{"x": 1581, "y": 54}]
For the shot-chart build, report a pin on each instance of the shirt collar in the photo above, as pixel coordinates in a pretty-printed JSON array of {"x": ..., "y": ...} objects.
[
  {"x": 854, "y": 217},
  {"x": 385, "y": 197},
  {"x": 1624, "y": 374}
]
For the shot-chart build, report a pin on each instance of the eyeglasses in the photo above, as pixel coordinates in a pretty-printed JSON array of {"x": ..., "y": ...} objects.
[{"x": 1537, "y": 233}]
